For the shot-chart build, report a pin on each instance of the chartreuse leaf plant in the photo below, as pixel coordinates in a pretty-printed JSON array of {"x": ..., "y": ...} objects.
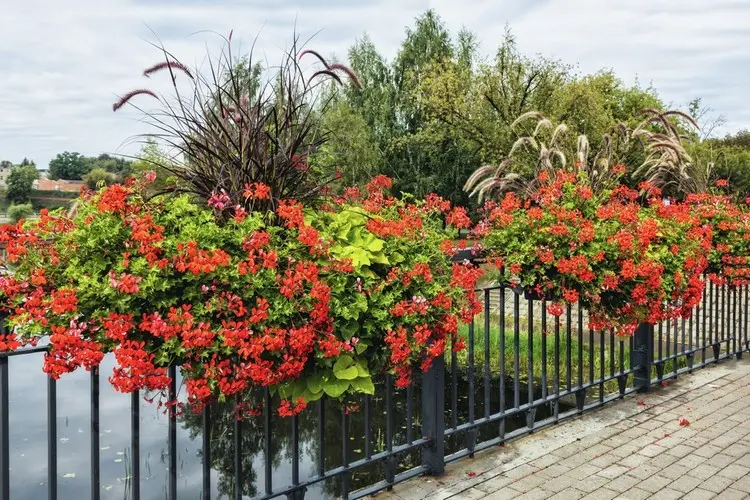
[{"x": 304, "y": 301}]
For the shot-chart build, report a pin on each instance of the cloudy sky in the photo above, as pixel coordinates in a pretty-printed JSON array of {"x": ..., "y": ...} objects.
[{"x": 62, "y": 62}]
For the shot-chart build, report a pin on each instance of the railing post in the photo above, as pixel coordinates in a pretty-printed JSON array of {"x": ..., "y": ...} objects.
[
  {"x": 642, "y": 356},
  {"x": 433, "y": 417}
]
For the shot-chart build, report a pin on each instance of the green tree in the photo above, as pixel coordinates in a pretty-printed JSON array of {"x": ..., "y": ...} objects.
[
  {"x": 69, "y": 166},
  {"x": 350, "y": 149},
  {"x": 99, "y": 177},
  {"x": 20, "y": 182},
  {"x": 18, "y": 212}
]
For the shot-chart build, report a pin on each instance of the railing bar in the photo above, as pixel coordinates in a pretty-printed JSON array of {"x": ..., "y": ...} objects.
[
  {"x": 543, "y": 306},
  {"x": 516, "y": 354},
  {"x": 95, "y": 465},
  {"x": 579, "y": 329},
  {"x": 530, "y": 332},
  {"x": 390, "y": 462},
  {"x": 295, "y": 450},
  {"x": 592, "y": 349},
  {"x": 470, "y": 373},
  {"x": 268, "y": 444},
  {"x": 172, "y": 433},
  {"x": 603, "y": 361},
  {"x": 454, "y": 388},
  {"x": 501, "y": 354},
  {"x": 321, "y": 433},
  {"x": 711, "y": 308},
  {"x": 487, "y": 367},
  {"x": 612, "y": 352},
  {"x": 4, "y": 427},
  {"x": 569, "y": 345},
  {"x": 51, "y": 438},
  {"x": 660, "y": 340},
  {"x": 557, "y": 366},
  {"x": 368, "y": 426},
  {"x": 345, "y": 452},
  {"x": 237, "y": 438},
  {"x": 676, "y": 338},
  {"x": 703, "y": 328},
  {"x": 206, "y": 453},
  {"x": 135, "y": 443},
  {"x": 409, "y": 414}
]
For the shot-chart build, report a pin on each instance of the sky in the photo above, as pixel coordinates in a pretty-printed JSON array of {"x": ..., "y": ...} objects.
[{"x": 64, "y": 62}]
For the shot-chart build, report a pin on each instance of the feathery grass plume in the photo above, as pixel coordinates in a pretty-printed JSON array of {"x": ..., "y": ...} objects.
[
  {"x": 314, "y": 53},
  {"x": 239, "y": 122},
  {"x": 327, "y": 73},
  {"x": 168, "y": 64},
  {"x": 348, "y": 72},
  {"x": 127, "y": 97}
]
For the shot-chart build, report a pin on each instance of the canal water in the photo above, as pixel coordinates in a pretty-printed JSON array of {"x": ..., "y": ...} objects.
[{"x": 28, "y": 429}]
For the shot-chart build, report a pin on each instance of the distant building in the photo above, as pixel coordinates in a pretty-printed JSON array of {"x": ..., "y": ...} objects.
[
  {"x": 4, "y": 173},
  {"x": 44, "y": 184}
]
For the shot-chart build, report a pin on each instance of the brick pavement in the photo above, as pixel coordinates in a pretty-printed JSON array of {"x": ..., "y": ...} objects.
[{"x": 633, "y": 449}]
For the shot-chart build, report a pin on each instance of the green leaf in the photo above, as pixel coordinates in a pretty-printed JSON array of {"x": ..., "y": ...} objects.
[
  {"x": 335, "y": 387},
  {"x": 375, "y": 245},
  {"x": 309, "y": 396},
  {"x": 379, "y": 258},
  {"x": 363, "y": 385},
  {"x": 362, "y": 370},
  {"x": 315, "y": 383},
  {"x": 361, "y": 347},
  {"x": 348, "y": 374},
  {"x": 342, "y": 363}
]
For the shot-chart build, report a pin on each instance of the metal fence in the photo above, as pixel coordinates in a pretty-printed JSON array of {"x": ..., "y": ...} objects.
[{"x": 523, "y": 370}]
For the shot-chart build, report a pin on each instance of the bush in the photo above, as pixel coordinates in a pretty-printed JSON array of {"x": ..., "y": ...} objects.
[
  {"x": 18, "y": 212},
  {"x": 304, "y": 302}
]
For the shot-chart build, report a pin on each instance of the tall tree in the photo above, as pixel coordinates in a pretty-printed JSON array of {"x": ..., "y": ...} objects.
[
  {"x": 69, "y": 166},
  {"x": 20, "y": 182}
]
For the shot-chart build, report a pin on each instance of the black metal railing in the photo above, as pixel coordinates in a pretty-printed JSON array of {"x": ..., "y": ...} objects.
[{"x": 523, "y": 369}]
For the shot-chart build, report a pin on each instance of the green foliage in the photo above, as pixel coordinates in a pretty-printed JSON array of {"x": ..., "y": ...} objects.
[
  {"x": 18, "y": 212},
  {"x": 20, "y": 182},
  {"x": 69, "y": 166},
  {"x": 98, "y": 177}
]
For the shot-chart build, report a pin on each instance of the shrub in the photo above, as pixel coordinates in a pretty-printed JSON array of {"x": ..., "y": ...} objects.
[
  {"x": 304, "y": 302},
  {"x": 18, "y": 212},
  {"x": 624, "y": 263}
]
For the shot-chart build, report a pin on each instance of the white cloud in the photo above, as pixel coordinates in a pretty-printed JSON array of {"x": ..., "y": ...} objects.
[{"x": 63, "y": 62}]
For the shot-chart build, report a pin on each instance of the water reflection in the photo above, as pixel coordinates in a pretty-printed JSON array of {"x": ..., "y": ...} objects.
[{"x": 28, "y": 426}]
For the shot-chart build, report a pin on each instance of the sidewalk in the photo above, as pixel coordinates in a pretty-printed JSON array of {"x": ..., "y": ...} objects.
[{"x": 690, "y": 439}]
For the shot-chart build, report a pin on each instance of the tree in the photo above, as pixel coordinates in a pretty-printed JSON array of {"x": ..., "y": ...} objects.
[
  {"x": 18, "y": 212},
  {"x": 20, "y": 182},
  {"x": 99, "y": 177},
  {"x": 350, "y": 148},
  {"x": 69, "y": 166}
]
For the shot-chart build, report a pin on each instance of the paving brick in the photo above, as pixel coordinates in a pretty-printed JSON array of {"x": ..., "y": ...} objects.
[
  {"x": 704, "y": 471},
  {"x": 634, "y": 494},
  {"x": 654, "y": 483},
  {"x": 669, "y": 494},
  {"x": 613, "y": 471},
  {"x": 622, "y": 484},
  {"x": 503, "y": 494},
  {"x": 700, "y": 494},
  {"x": 535, "y": 494},
  {"x": 674, "y": 471},
  {"x": 601, "y": 494},
  {"x": 717, "y": 484},
  {"x": 568, "y": 494},
  {"x": 686, "y": 484},
  {"x": 735, "y": 471},
  {"x": 494, "y": 484},
  {"x": 583, "y": 471},
  {"x": 733, "y": 494},
  {"x": 592, "y": 483}
]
